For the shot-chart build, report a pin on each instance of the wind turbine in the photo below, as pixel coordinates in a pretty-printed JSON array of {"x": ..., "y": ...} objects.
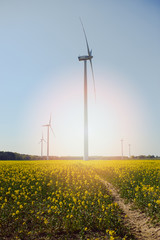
[
  {"x": 129, "y": 145},
  {"x": 122, "y": 147},
  {"x": 48, "y": 128},
  {"x": 85, "y": 58},
  {"x": 41, "y": 141}
]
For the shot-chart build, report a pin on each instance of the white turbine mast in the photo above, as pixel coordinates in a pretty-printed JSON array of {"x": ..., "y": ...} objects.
[
  {"x": 129, "y": 146},
  {"x": 48, "y": 128},
  {"x": 85, "y": 58},
  {"x": 41, "y": 141},
  {"x": 122, "y": 147}
]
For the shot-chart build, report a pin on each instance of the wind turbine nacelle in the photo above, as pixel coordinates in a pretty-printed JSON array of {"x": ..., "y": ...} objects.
[{"x": 84, "y": 58}]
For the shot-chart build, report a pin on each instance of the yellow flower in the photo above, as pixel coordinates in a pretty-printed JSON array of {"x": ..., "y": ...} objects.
[
  {"x": 158, "y": 201},
  {"x": 45, "y": 221},
  {"x": 17, "y": 212}
]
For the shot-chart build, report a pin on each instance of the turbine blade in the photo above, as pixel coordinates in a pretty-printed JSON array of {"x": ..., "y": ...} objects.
[
  {"x": 52, "y": 130},
  {"x": 93, "y": 79},
  {"x": 45, "y": 125},
  {"x": 85, "y": 37}
]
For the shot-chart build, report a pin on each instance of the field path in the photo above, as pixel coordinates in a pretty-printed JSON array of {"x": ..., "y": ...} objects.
[{"x": 138, "y": 223}]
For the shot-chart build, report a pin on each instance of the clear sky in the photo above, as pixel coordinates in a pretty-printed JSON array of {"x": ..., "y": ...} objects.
[{"x": 40, "y": 42}]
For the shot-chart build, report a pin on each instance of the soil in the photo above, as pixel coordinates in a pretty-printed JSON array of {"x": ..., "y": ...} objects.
[{"x": 139, "y": 224}]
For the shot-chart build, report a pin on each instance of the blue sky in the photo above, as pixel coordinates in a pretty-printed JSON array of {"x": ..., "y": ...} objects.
[{"x": 40, "y": 74}]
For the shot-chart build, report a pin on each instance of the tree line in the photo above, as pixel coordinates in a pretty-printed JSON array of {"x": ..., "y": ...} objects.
[{"x": 17, "y": 156}]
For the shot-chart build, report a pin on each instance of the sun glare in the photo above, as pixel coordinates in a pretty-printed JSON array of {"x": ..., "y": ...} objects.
[{"x": 110, "y": 118}]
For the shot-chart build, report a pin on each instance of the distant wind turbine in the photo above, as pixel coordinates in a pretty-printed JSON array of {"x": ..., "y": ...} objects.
[
  {"x": 85, "y": 58},
  {"x": 129, "y": 145},
  {"x": 48, "y": 128},
  {"x": 122, "y": 147},
  {"x": 41, "y": 141}
]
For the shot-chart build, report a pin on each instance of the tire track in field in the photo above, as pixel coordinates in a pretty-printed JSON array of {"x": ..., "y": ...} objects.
[{"x": 137, "y": 221}]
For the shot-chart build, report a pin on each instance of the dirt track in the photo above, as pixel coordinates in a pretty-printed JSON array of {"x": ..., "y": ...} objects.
[{"x": 139, "y": 224}]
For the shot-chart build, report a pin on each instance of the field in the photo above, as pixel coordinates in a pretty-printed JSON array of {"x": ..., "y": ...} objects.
[
  {"x": 137, "y": 181},
  {"x": 68, "y": 200}
]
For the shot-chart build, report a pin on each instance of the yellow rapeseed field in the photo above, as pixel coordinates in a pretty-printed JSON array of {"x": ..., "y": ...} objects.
[
  {"x": 137, "y": 180},
  {"x": 53, "y": 199}
]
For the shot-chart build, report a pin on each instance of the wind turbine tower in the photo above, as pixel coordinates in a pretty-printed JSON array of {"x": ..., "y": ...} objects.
[
  {"x": 48, "y": 128},
  {"x": 41, "y": 141},
  {"x": 122, "y": 148},
  {"x": 129, "y": 145},
  {"x": 85, "y": 58}
]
